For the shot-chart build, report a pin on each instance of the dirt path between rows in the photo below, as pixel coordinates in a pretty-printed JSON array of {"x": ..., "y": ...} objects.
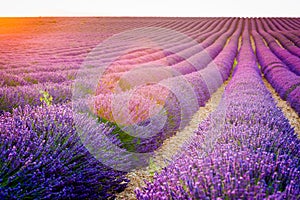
[{"x": 288, "y": 112}]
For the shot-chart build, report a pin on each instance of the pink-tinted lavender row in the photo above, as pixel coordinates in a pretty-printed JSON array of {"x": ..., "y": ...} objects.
[
  {"x": 279, "y": 31},
  {"x": 292, "y": 61},
  {"x": 277, "y": 73},
  {"x": 22, "y": 79},
  {"x": 196, "y": 62},
  {"x": 13, "y": 97}
]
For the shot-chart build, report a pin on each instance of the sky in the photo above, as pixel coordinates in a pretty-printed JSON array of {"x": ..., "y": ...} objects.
[{"x": 160, "y": 8}]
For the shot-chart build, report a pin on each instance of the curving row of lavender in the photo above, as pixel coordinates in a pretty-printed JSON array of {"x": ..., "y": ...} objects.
[
  {"x": 283, "y": 77},
  {"x": 292, "y": 61},
  {"x": 246, "y": 149}
]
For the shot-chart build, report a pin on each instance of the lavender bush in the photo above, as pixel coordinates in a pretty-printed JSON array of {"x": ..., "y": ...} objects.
[{"x": 43, "y": 157}]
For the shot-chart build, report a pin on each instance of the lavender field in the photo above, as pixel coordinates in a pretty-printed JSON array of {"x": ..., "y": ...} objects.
[{"x": 104, "y": 108}]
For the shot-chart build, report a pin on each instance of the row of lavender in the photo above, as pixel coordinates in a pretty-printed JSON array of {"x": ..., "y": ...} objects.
[{"x": 246, "y": 149}]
